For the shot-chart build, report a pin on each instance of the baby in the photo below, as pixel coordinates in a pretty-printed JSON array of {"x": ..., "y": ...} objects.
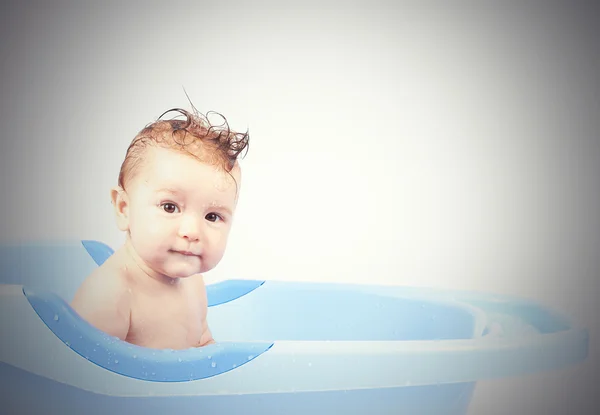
[{"x": 176, "y": 196}]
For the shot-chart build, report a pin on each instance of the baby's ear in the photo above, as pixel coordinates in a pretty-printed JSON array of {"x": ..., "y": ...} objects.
[{"x": 120, "y": 202}]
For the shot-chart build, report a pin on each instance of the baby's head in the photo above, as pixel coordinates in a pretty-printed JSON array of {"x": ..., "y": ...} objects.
[{"x": 177, "y": 192}]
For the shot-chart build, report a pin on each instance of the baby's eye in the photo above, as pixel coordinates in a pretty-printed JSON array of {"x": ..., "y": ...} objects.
[
  {"x": 169, "y": 207},
  {"x": 213, "y": 217}
]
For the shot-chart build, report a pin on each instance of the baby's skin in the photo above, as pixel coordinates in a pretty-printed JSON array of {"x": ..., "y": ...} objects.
[{"x": 177, "y": 213}]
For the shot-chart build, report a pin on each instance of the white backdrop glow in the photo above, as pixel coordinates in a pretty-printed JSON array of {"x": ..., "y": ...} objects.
[{"x": 393, "y": 143}]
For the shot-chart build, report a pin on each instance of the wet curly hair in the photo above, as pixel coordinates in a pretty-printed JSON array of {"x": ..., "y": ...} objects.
[{"x": 195, "y": 135}]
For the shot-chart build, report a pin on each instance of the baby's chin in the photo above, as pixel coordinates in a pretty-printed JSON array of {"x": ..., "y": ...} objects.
[
  {"x": 176, "y": 274},
  {"x": 183, "y": 271}
]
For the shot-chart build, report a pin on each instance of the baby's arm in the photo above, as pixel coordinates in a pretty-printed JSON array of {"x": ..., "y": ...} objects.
[
  {"x": 206, "y": 337},
  {"x": 104, "y": 301}
]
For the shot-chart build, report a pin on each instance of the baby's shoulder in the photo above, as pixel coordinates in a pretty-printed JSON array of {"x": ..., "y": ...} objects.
[
  {"x": 197, "y": 287},
  {"x": 104, "y": 300},
  {"x": 107, "y": 282},
  {"x": 195, "y": 283}
]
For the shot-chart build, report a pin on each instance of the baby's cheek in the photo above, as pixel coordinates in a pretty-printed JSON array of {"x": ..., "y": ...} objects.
[
  {"x": 221, "y": 236},
  {"x": 150, "y": 232},
  {"x": 154, "y": 228},
  {"x": 152, "y": 225},
  {"x": 218, "y": 243}
]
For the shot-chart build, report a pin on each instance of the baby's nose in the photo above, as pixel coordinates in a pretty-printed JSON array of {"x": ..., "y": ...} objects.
[{"x": 191, "y": 228}]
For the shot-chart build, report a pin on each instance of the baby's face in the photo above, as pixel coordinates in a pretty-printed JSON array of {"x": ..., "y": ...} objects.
[{"x": 180, "y": 212}]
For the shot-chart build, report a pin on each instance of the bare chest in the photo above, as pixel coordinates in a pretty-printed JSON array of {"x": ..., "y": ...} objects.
[{"x": 167, "y": 321}]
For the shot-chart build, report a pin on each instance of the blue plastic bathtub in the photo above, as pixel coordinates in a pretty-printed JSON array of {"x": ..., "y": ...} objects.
[{"x": 283, "y": 347}]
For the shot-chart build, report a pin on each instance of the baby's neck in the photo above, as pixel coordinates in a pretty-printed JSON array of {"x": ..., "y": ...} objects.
[{"x": 137, "y": 269}]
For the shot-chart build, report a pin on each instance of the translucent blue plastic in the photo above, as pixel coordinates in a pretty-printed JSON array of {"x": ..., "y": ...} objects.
[
  {"x": 57, "y": 398},
  {"x": 230, "y": 290},
  {"x": 134, "y": 361},
  {"x": 59, "y": 267},
  {"x": 283, "y": 347},
  {"x": 98, "y": 251}
]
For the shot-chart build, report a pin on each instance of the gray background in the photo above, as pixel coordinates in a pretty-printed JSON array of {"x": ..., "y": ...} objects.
[{"x": 448, "y": 144}]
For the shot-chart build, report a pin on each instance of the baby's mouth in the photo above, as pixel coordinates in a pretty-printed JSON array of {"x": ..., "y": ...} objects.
[{"x": 187, "y": 253}]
